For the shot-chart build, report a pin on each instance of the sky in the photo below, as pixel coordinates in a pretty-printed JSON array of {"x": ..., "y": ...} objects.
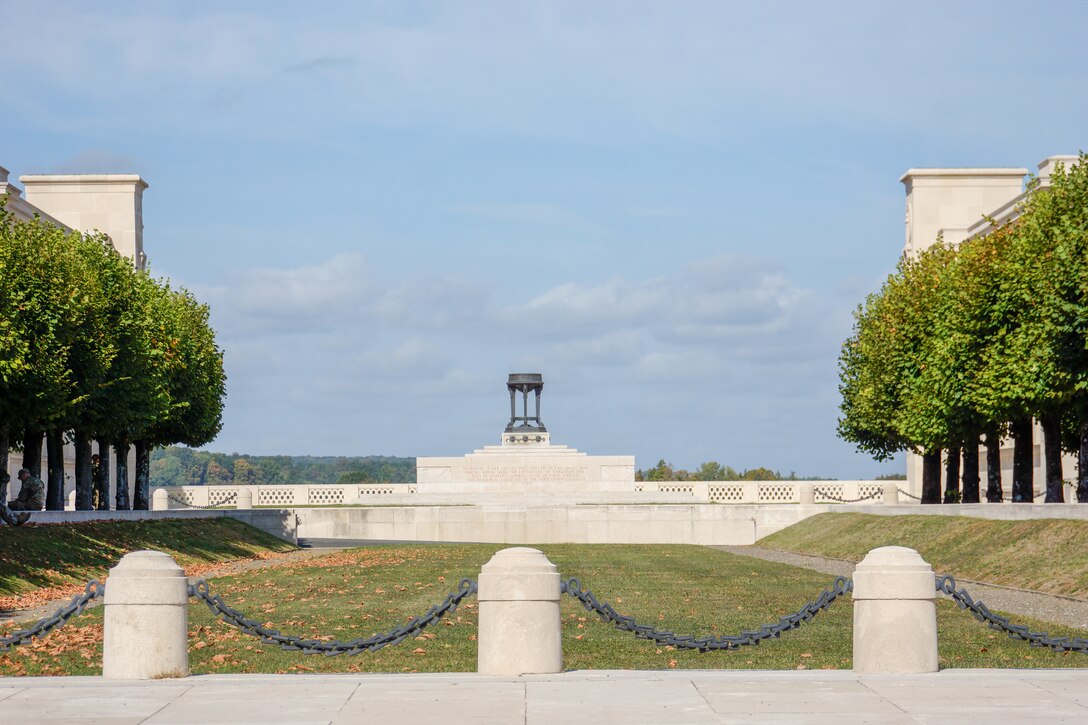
[{"x": 670, "y": 210}]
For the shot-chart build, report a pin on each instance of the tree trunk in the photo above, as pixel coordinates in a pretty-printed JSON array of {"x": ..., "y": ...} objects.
[
  {"x": 1082, "y": 465},
  {"x": 952, "y": 476},
  {"x": 32, "y": 452},
  {"x": 994, "y": 493},
  {"x": 102, "y": 482},
  {"x": 141, "y": 495},
  {"x": 1052, "y": 456},
  {"x": 84, "y": 483},
  {"x": 5, "y": 477},
  {"x": 931, "y": 476},
  {"x": 121, "y": 449},
  {"x": 1023, "y": 483},
  {"x": 54, "y": 487},
  {"x": 970, "y": 471}
]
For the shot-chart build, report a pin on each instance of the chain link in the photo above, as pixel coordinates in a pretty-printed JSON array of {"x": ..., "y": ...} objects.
[
  {"x": 947, "y": 585},
  {"x": 836, "y": 499},
  {"x": 908, "y": 494},
  {"x": 841, "y": 586},
  {"x": 59, "y": 618},
  {"x": 329, "y": 648},
  {"x": 228, "y": 500}
]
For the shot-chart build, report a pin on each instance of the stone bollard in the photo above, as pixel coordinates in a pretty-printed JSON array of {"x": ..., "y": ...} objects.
[
  {"x": 244, "y": 499},
  {"x": 891, "y": 493},
  {"x": 147, "y": 618},
  {"x": 807, "y": 493},
  {"x": 519, "y": 630},
  {"x": 895, "y": 613},
  {"x": 160, "y": 500}
]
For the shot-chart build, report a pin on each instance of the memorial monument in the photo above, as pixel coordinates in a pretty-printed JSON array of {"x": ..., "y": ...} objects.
[{"x": 525, "y": 459}]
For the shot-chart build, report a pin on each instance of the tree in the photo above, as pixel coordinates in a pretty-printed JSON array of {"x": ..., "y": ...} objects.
[
  {"x": 191, "y": 366},
  {"x": 245, "y": 472},
  {"x": 46, "y": 298}
]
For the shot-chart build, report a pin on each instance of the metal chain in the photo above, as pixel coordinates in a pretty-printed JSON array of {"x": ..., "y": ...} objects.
[
  {"x": 59, "y": 618},
  {"x": 841, "y": 586},
  {"x": 909, "y": 495},
  {"x": 836, "y": 499},
  {"x": 224, "y": 502},
  {"x": 982, "y": 613},
  {"x": 330, "y": 648}
]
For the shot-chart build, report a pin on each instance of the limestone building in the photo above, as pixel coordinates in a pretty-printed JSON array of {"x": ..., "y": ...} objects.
[
  {"x": 957, "y": 204},
  {"x": 109, "y": 203}
]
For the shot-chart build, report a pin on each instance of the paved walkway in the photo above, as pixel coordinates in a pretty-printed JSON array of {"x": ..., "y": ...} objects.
[
  {"x": 574, "y": 698},
  {"x": 1048, "y": 607}
]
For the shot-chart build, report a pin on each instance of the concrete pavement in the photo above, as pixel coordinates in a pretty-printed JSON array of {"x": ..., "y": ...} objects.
[{"x": 570, "y": 698}]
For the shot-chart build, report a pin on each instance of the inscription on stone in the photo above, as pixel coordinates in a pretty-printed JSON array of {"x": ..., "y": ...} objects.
[{"x": 490, "y": 474}]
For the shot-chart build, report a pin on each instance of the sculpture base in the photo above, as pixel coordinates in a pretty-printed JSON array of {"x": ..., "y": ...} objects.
[{"x": 529, "y": 457}]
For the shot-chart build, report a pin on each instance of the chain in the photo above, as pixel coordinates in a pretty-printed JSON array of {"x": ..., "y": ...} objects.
[
  {"x": 836, "y": 499},
  {"x": 330, "y": 648},
  {"x": 229, "y": 499},
  {"x": 982, "y": 613},
  {"x": 841, "y": 586},
  {"x": 909, "y": 495},
  {"x": 59, "y": 618}
]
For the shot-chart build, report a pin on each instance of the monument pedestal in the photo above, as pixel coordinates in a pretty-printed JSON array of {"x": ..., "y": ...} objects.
[{"x": 525, "y": 460}]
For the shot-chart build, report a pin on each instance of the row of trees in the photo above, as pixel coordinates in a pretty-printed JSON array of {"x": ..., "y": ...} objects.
[
  {"x": 967, "y": 345},
  {"x": 93, "y": 350},
  {"x": 713, "y": 471},
  {"x": 181, "y": 466}
]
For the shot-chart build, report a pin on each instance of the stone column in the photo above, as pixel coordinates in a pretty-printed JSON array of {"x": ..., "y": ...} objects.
[
  {"x": 895, "y": 613},
  {"x": 806, "y": 492},
  {"x": 147, "y": 618},
  {"x": 160, "y": 500},
  {"x": 519, "y": 630},
  {"x": 244, "y": 499},
  {"x": 891, "y": 493}
]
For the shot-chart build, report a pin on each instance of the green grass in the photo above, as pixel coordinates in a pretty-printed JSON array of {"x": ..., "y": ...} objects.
[
  {"x": 1046, "y": 555},
  {"x": 37, "y": 556},
  {"x": 686, "y": 589}
]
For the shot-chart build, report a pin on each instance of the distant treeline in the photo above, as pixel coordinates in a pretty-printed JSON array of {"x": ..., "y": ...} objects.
[
  {"x": 714, "y": 471},
  {"x": 180, "y": 466}
]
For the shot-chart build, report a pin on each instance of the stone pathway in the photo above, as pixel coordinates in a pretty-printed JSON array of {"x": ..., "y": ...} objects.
[
  {"x": 1047, "y": 607},
  {"x": 696, "y": 697}
]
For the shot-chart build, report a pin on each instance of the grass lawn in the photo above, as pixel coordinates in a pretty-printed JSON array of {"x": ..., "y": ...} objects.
[
  {"x": 33, "y": 556},
  {"x": 1047, "y": 555},
  {"x": 687, "y": 589}
]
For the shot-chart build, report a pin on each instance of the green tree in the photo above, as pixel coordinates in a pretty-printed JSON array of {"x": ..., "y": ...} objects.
[{"x": 245, "y": 472}]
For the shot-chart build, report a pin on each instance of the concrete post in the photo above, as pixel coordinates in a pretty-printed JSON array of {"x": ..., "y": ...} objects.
[
  {"x": 160, "y": 500},
  {"x": 244, "y": 499},
  {"x": 806, "y": 492},
  {"x": 895, "y": 613},
  {"x": 891, "y": 493},
  {"x": 519, "y": 631},
  {"x": 146, "y": 618}
]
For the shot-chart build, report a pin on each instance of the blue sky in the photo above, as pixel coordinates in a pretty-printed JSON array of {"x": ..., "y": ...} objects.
[{"x": 668, "y": 209}]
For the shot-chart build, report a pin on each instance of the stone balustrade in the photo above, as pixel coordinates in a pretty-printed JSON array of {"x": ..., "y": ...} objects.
[{"x": 722, "y": 492}]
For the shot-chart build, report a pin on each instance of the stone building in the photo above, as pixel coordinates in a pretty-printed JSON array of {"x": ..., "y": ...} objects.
[
  {"x": 957, "y": 204},
  {"x": 109, "y": 203}
]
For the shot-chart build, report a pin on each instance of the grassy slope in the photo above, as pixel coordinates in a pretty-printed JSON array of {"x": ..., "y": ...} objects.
[
  {"x": 687, "y": 589},
  {"x": 1048, "y": 555},
  {"x": 33, "y": 556}
]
